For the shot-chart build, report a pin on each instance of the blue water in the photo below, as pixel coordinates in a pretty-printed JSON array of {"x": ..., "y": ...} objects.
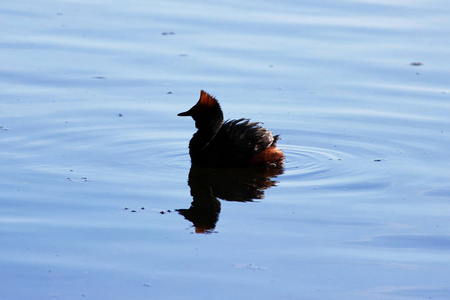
[{"x": 97, "y": 196}]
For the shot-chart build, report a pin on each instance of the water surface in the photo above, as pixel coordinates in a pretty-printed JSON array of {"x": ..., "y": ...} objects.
[{"x": 98, "y": 198}]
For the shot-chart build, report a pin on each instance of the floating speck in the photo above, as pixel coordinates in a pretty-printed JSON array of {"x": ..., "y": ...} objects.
[
  {"x": 416, "y": 63},
  {"x": 250, "y": 266}
]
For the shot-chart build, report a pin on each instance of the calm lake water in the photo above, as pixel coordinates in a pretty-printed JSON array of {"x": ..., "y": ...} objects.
[{"x": 97, "y": 196}]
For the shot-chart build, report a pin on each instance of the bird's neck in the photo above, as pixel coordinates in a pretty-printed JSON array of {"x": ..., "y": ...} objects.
[{"x": 205, "y": 133}]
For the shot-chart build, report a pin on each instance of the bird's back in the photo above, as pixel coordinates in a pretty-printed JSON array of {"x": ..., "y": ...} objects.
[{"x": 236, "y": 143}]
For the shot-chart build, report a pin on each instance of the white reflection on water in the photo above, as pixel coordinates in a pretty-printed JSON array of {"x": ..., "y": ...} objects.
[{"x": 91, "y": 150}]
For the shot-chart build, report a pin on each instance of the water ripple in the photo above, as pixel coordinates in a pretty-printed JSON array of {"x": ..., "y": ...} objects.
[
  {"x": 327, "y": 169},
  {"x": 310, "y": 161}
]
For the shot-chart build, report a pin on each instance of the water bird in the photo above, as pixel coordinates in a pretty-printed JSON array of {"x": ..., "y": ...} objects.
[{"x": 229, "y": 144}]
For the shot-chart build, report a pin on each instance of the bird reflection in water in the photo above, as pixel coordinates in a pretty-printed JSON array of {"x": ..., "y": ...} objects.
[{"x": 235, "y": 184}]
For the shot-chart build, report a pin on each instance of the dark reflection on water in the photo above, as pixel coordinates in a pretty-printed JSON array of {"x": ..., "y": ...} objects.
[{"x": 209, "y": 184}]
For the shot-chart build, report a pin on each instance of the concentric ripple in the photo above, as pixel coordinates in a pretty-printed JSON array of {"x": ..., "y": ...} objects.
[
  {"x": 310, "y": 161},
  {"x": 326, "y": 168}
]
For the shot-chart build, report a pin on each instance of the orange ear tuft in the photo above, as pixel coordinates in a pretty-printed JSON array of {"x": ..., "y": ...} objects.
[{"x": 206, "y": 100}]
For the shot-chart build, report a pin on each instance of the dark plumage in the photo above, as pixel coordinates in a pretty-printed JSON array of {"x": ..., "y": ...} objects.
[{"x": 234, "y": 143}]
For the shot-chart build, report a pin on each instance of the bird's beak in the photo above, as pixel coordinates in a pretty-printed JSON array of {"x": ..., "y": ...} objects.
[
  {"x": 194, "y": 109},
  {"x": 184, "y": 114}
]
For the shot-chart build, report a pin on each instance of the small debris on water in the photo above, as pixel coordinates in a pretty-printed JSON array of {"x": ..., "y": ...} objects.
[
  {"x": 250, "y": 266},
  {"x": 416, "y": 64},
  {"x": 99, "y": 77},
  {"x": 76, "y": 179}
]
